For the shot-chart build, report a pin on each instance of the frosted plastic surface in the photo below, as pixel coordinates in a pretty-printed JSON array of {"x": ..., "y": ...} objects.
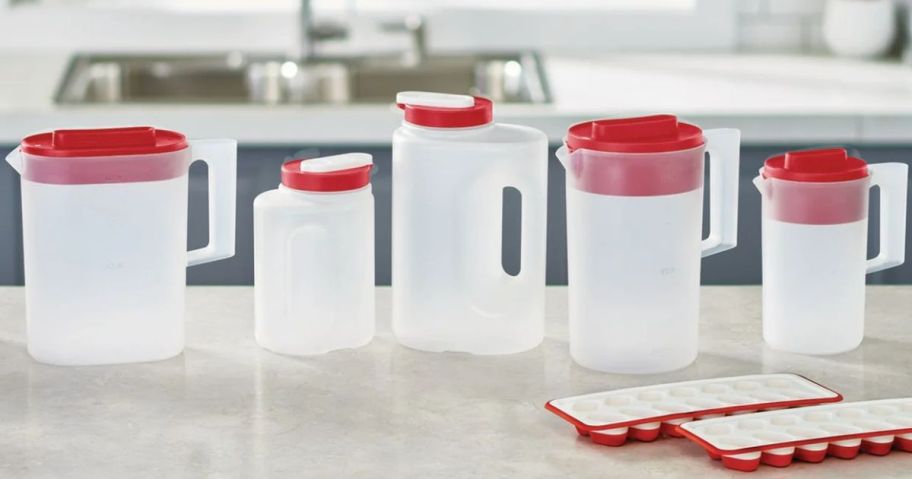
[
  {"x": 105, "y": 264},
  {"x": 314, "y": 270},
  {"x": 813, "y": 286},
  {"x": 634, "y": 225},
  {"x": 634, "y": 275},
  {"x": 105, "y": 269},
  {"x": 450, "y": 291},
  {"x": 814, "y": 257}
]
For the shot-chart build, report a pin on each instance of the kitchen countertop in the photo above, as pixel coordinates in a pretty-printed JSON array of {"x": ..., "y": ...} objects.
[
  {"x": 226, "y": 408},
  {"x": 773, "y": 99}
]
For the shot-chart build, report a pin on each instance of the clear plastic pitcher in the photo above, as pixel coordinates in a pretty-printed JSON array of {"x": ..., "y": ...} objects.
[
  {"x": 634, "y": 224},
  {"x": 815, "y": 230},
  {"x": 314, "y": 257},
  {"x": 451, "y": 166},
  {"x": 104, "y": 222}
]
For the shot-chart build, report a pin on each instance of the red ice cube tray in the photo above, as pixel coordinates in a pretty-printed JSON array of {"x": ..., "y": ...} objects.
[
  {"x": 807, "y": 434},
  {"x": 644, "y": 413}
]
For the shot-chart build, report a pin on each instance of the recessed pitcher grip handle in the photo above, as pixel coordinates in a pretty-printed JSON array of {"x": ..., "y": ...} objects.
[
  {"x": 221, "y": 158},
  {"x": 724, "y": 148},
  {"x": 892, "y": 178}
]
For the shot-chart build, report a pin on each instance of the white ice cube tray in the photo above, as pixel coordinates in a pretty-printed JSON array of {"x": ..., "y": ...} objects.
[
  {"x": 808, "y": 434},
  {"x": 643, "y": 413}
]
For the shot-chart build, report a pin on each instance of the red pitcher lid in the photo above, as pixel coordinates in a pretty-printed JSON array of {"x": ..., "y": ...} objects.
[
  {"x": 348, "y": 171},
  {"x": 104, "y": 155},
  {"x": 134, "y": 140},
  {"x": 644, "y": 134},
  {"x": 442, "y": 110},
  {"x": 817, "y": 166}
]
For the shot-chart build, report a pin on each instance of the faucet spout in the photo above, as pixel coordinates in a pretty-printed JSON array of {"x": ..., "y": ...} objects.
[
  {"x": 305, "y": 47},
  {"x": 414, "y": 26},
  {"x": 311, "y": 32}
]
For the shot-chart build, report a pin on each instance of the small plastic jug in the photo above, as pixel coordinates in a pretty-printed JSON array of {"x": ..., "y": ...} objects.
[
  {"x": 451, "y": 166},
  {"x": 104, "y": 226},
  {"x": 815, "y": 231},
  {"x": 634, "y": 224},
  {"x": 314, "y": 257}
]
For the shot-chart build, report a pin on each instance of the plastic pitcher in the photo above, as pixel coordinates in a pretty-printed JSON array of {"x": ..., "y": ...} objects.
[
  {"x": 314, "y": 257},
  {"x": 451, "y": 166},
  {"x": 634, "y": 225},
  {"x": 815, "y": 231},
  {"x": 104, "y": 222}
]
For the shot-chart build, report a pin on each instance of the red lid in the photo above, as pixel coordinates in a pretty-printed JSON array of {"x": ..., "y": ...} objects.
[
  {"x": 817, "y": 166},
  {"x": 424, "y": 109},
  {"x": 644, "y": 134},
  {"x": 136, "y": 140},
  {"x": 328, "y": 179}
]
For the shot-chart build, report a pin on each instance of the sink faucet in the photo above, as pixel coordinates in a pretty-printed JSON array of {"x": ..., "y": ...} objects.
[
  {"x": 414, "y": 25},
  {"x": 310, "y": 32}
]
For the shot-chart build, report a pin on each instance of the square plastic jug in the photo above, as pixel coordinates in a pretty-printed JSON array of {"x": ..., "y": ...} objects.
[
  {"x": 104, "y": 221},
  {"x": 451, "y": 167},
  {"x": 314, "y": 257}
]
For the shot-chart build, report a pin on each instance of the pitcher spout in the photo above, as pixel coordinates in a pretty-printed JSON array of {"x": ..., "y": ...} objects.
[
  {"x": 760, "y": 184},
  {"x": 14, "y": 158},
  {"x": 563, "y": 155}
]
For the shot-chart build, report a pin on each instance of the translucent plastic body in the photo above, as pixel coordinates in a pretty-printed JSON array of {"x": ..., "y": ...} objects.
[
  {"x": 814, "y": 285},
  {"x": 814, "y": 257},
  {"x": 105, "y": 285},
  {"x": 633, "y": 265},
  {"x": 450, "y": 291},
  {"x": 633, "y": 255},
  {"x": 314, "y": 270},
  {"x": 105, "y": 264}
]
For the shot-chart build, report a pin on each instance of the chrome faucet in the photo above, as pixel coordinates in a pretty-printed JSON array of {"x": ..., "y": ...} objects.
[
  {"x": 310, "y": 32},
  {"x": 414, "y": 25}
]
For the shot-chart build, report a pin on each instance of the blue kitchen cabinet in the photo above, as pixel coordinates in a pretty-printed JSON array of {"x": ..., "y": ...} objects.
[{"x": 258, "y": 171}]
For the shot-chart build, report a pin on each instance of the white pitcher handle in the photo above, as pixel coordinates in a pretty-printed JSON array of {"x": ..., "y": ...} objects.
[
  {"x": 892, "y": 178},
  {"x": 221, "y": 158},
  {"x": 723, "y": 146}
]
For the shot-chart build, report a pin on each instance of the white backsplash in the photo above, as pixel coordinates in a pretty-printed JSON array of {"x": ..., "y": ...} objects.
[
  {"x": 784, "y": 25},
  {"x": 780, "y": 25}
]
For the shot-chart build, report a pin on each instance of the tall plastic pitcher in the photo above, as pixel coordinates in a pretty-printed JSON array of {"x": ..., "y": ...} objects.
[
  {"x": 815, "y": 230},
  {"x": 104, "y": 226},
  {"x": 634, "y": 227},
  {"x": 451, "y": 166}
]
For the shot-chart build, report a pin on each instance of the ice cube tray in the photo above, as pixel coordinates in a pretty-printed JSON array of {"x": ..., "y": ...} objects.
[
  {"x": 644, "y": 413},
  {"x": 808, "y": 434}
]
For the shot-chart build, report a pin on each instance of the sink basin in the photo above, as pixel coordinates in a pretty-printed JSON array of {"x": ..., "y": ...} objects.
[{"x": 236, "y": 78}]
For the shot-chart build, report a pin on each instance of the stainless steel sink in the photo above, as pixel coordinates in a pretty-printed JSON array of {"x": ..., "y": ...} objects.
[{"x": 236, "y": 78}]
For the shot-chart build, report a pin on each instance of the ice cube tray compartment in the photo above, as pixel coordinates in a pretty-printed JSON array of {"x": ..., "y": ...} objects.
[
  {"x": 644, "y": 413},
  {"x": 808, "y": 434}
]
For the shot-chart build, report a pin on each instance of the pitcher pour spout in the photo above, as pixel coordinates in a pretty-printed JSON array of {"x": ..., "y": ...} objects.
[
  {"x": 14, "y": 158},
  {"x": 760, "y": 184},
  {"x": 563, "y": 155}
]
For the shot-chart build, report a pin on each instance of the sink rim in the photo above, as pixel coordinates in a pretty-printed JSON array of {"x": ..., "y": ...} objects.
[{"x": 533, "y": 72}]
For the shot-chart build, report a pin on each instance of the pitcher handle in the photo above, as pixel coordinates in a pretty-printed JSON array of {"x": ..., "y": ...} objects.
[
  {"x": 723, "y": 146},
  {"x": 892, "y": 178},
  {"x": 221, "y": 158}
]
